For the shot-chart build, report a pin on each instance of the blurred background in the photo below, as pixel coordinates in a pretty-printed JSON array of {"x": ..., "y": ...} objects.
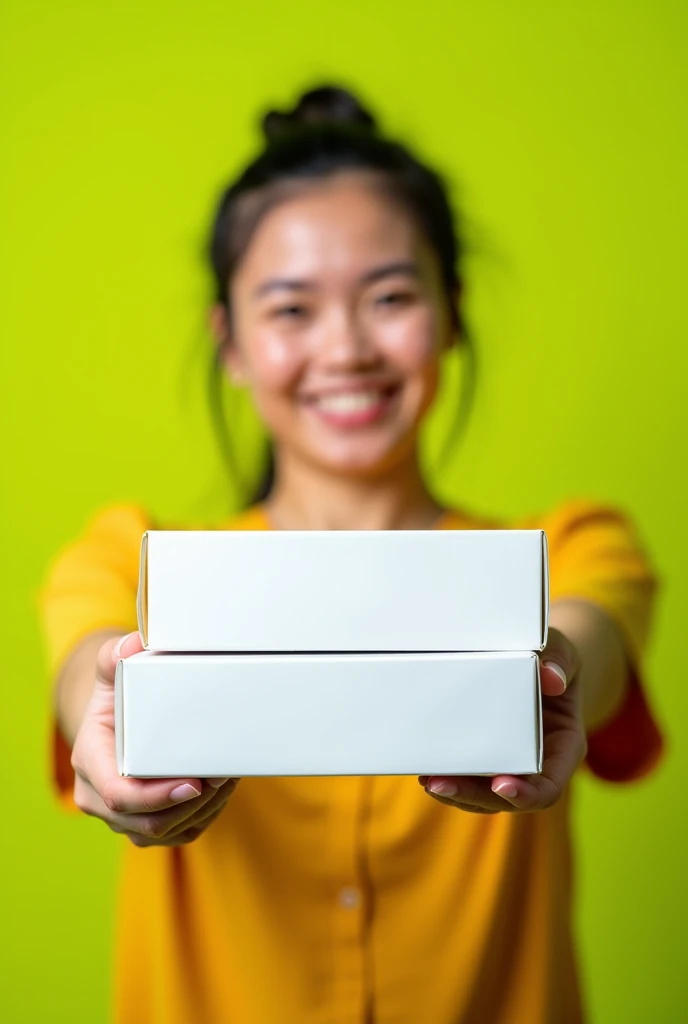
[{"x": 562, "y": 130}]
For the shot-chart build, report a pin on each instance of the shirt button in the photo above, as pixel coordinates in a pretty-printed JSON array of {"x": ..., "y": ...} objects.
[{"x": 349, "y": 897}]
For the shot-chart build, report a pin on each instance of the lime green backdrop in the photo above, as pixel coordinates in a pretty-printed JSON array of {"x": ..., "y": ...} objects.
[{"x": 560, "y": 126}]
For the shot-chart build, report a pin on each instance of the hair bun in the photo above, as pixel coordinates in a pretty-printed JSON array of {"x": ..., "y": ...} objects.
[{"x": 327, "y": 104}]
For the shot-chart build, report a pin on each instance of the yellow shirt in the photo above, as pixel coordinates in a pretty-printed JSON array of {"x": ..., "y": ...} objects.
[{"x": 349, "y": 900}]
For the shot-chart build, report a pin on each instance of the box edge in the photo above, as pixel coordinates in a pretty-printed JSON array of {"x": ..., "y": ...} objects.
[
  {"x": 142, "y": 591},
  {"x": 119, "y": 715}
]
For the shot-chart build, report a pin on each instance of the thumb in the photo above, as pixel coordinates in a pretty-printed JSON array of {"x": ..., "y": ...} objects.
[
  {"x": 127, "y": 645},
  {"x": 110, "y": 653},
  {"x": 558, "y": 663}
]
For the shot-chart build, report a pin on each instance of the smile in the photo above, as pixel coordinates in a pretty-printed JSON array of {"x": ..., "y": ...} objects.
[
  {"x": 352, "y": 401},
  {"x": 353, "y": 408}
]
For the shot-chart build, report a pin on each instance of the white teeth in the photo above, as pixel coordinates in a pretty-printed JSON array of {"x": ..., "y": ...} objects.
[{"x": 353, "y": 401}]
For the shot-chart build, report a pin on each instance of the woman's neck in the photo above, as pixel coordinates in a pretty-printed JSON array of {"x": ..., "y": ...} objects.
[{"x": 306, "y": 498}]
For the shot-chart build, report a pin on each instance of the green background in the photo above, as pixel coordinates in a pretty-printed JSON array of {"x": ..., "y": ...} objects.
[{"x": 561, "y": 128}]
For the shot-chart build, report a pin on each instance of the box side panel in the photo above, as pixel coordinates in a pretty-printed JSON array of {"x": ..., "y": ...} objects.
[
  {"x": 539, "y": 725},
  {"x": 119, "y": 716},
  {"x": 395, "y": 591},
  {"x": 352, "y": 715},
  {"x": 142, "y": 593},
  {"x": 545, "y": 590}
]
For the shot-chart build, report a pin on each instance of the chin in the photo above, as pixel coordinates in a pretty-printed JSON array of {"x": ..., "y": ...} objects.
[{"x": 361, "y": 459}]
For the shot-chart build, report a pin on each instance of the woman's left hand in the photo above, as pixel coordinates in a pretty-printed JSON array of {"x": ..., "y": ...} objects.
[{"x": 564, "y": 746}]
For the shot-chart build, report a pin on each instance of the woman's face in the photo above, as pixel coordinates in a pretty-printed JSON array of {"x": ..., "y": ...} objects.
[{"x": 339, "y": 319}]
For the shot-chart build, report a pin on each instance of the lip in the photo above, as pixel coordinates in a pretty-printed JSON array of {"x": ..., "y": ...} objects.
[
  {"x": 355, "y": 414},
  {"x": 350, "y": 387}
]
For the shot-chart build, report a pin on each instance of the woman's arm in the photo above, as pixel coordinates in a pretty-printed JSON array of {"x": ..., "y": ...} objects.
[
  {"x": 150, "y": 812},
  {"x": 604, "y": 669},
  {"x": 584, "y": 674},
  {"x": 74, "y": 684}
]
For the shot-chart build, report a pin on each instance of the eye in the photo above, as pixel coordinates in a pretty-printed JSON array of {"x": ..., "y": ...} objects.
[
  {"x": 290, "y": 312},
  {"x": 393, "y": 298}
]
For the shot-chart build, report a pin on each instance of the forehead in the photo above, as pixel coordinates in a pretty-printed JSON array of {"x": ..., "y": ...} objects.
[{"x": 344, "y": 223}]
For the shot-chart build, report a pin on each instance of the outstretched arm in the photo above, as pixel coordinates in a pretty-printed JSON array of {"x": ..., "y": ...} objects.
[{"x": 584, "y": 671}]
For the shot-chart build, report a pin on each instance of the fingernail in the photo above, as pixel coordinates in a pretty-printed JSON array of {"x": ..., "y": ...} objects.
[
  {"x": 558, "y": 671},
  {"x": 216, "y": 783},
  {"x": 117, "y": 649},
  {"x": 505, "y": 789},
  {"x": 443, "y": 788},
  {"x": 184, "y": 792}
]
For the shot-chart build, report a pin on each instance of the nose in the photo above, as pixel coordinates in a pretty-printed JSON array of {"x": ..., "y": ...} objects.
[{"x": 346, "y": 342}]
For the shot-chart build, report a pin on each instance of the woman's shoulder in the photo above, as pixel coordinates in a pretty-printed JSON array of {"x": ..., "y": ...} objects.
[
  {"x": 582, "y": 533},
  {"x": 120, "y": 520},
  {"x": 586, "y": 522},
  {"x": 102, "y": 554},
  {"x": 124, "y": 521},
  {"x": 109, "y": 536},
  {"x": 559, "y": 521},
  {"x": 595, "y": 551}
]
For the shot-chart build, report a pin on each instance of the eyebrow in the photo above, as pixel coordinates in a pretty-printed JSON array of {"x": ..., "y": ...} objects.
[{"x": 400, "y": 267}]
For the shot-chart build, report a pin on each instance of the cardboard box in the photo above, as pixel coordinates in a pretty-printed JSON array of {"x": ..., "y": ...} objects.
[
  {"x": 327, "y": 714},
  {"x": 372, "y": 590}
]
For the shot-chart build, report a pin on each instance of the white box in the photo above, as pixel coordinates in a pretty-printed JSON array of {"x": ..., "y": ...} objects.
[
  {"x": 377, "y": 714},
  {"x": 363, "y": 590}
]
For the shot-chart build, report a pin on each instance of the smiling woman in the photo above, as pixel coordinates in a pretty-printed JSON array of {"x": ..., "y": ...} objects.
[
  {"x": 379, "y": 304},
  {"x": 338, "y": 322},
  {"x": 373, "y": 899},
  {"x": 382, "y": 268}
]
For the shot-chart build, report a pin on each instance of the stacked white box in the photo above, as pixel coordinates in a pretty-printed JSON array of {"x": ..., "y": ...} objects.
[
  {"x": 334, "y": 653},
  {"x": 327, "y": 714},
  {"x": 317, "y": 590}
]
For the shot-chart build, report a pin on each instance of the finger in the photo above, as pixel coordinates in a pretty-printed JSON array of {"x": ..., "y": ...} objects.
[
  {"x": 186, "y": 832},
  {"x": 470, "y": 808},
  {"x": 94, "y": 760},
  {"x": 558, "y": 664},
  {"x": 162, "y": 824},
  {"x": 110, "y": 652},
  {"x": 529, "y": 793},
  {"x": 130, "y": 643},
  {"x": 467, "y": 791},
  {"x": 154, "y": 824},
  {"x": 115, "y": 796},
  {"x": 538, "y": 792},
  {"x": 145, "y": 796},
  {"x": 208, "y": 811},
  {"x": 188, "y": 835},
  {"x": 216, "y": 782}
]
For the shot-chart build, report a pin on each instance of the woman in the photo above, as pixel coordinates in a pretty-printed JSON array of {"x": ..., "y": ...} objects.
[{"x": 348, "y": 899}]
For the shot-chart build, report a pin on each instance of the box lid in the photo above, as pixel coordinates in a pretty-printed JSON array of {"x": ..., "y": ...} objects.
[{"x": 248, "y": 601}]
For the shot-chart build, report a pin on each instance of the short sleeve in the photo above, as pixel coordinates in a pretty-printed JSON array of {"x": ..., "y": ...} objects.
[
  {"x": 90, "y": 584},
  {"x": 596, "y": 554}
]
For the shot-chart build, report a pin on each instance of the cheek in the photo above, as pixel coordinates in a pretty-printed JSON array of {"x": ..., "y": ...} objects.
[
  {"x": 412, "y": 343},
  {"x": 273, "y": 362}
]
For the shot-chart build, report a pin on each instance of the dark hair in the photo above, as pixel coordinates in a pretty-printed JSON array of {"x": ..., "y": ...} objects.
[{"x": 328, "y": 131}]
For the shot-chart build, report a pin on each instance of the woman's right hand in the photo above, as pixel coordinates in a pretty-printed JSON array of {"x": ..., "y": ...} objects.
[{"x": 150, "y": 812}]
